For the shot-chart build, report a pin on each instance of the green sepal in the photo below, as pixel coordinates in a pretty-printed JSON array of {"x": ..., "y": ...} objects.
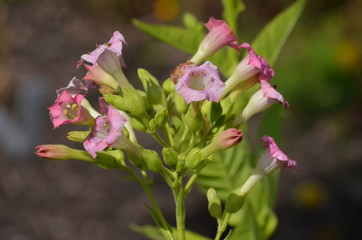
[
  {"x": 151, "y": 160},
  {"x": 129, "y": 101},
  {"x": 214, "y": 203},
  {"x": 168, "y": 86},
  {"x": 234, "y": 202},
  {"x": 110, "y": 159},
  {"x": 78, "y": 136},
  {"x": 154, "y": 93},
  {"x": 180, "y": 103},
  {"x": 160, "y": 120}
]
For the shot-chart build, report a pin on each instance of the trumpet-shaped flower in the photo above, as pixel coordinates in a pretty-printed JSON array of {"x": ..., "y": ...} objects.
[
  {"x": 107, "y": 63},
  {"x": 107, "y": 132},
  {"x": 259, "y": 101},
  {"x": 200, "y": 83},
  {"x": 249, "y": 71},
  {"x": 68, "y": 109},
  {"x": 115, "y": 45},
  {"x": 219, "y": 36},
  {"x": 273, "y": 158}
]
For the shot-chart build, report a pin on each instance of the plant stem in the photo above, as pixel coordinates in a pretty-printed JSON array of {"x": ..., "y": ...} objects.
[
  {"x": 160, "y": 140},
  {"x": 179, "y": 196},
  {"x": 169, "y": 135},
  {"x": 163, "y": 223},
  {"x": 222, "y": 225}
]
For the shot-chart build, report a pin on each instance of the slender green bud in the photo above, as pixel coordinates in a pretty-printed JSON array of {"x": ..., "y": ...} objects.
[
  {"x": 77, "y": 136},
  {"x": 138, "y": 124},
  {"x": 194, "y": 159},
  {"x": 193, "y": 120},
  {"x": 214, "y": 203},
  {"x": 234, "y": 202},
  {"x": 151, "y": 160},
  {"x": 130, "y": 101},
  {"x": 160, "y": 119},
  {"x": 180, "y": 103},
  {"x": 168, "y": 86},
  {"x": 153, "y": 90},
  {"x": 170, "y": 157}
]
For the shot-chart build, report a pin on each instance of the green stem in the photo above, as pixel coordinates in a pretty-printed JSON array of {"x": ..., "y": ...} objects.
[
  {"x": 169, "y": 135},
  {"x": 178, "y": 193},
  {"x": 159, "y": 139},
  {"x": 147, "y": 188},
  {"x": 222, "y": 225}
]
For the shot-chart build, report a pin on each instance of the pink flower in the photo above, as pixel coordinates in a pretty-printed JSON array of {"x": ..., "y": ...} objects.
[
  {"x": 200, "y": 82},
  {"x": 107, "y": 132},
  {"x": 114, "y": 45},
  {"x": 107, "y": 62},
  {"x": 219, "y": 36},
  {"x": 68, "y": 109},
  {"x": 250, "y": 70},
  {"x": 273, "y": 158},
  {"x": 261, "y": 100}
]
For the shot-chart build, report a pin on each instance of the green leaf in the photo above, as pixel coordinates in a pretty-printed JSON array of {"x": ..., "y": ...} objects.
[
  {"x": 271, "y": 39},
  {"x": 154, "y": 233},
  {"x": 191, "y": 22},
  {"x": 232, "y": 8},
  {"x": 185, "y": 39}
]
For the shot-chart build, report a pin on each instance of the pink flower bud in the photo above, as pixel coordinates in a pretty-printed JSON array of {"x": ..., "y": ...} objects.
[
  {"x": 229, "y": 138},
  {"x": 54, "y": 152}
]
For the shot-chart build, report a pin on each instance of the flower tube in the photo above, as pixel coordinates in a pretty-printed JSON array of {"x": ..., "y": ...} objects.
[
  {"x": 261, "y": 100},
  {"x": 249, "y": 71},
  {"x": 219, "y": 35}
]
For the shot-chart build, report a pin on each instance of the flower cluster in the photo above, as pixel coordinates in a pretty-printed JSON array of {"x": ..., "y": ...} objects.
[{"x": 191, "y": 115}]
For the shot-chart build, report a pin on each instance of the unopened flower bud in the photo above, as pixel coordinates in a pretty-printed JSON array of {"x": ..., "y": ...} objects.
[
  {"x": 77, "y": 136},
  {"x": 180, "y": 103},
  {"x": 153, "y": 90},
  {"x": 193, "y": 119},
  {"x": 170, "y": 157},
  {"x": 214, "y": 203},
  {"x": 225, "y": 140},
  {"x": 160, "y": 119},
  {"x": 62, "y": 152},
  {"x": 168, "y": 86},
  {"x": 151, "y": 160}
]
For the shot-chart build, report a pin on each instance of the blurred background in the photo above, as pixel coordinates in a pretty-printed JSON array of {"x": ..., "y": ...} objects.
[{"x": 318, "y": 72}]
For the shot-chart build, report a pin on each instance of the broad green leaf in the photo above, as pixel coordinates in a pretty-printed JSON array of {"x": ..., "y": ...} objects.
[
  {"x": 232, "y": 8},
  {"x": 184, "y": 39},
  {"x": 154, "y": 233},
  {"x": 271, "y": 39}
]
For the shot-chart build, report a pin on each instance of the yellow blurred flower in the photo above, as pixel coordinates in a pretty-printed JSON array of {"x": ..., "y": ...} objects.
[
  {"x": 166, "y": 10},
  {"x": 347, "y": 55},
  {"x": 310, "y": 195}
]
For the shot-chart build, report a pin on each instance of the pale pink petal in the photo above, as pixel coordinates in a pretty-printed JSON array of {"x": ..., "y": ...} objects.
[{"x": 200, "y": 83}]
